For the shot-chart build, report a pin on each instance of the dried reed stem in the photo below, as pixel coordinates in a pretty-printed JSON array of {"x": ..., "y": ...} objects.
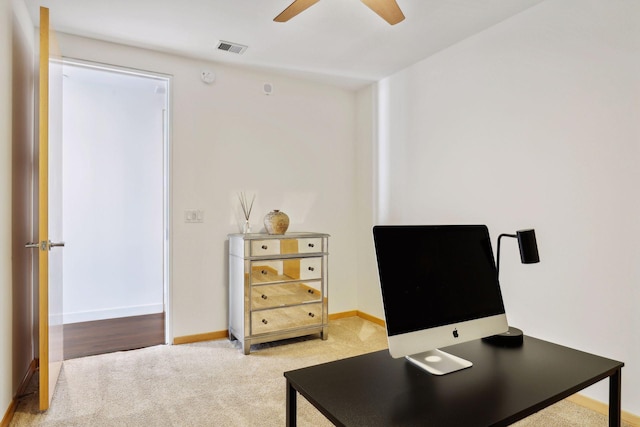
[{"x": 246, "y": 206}]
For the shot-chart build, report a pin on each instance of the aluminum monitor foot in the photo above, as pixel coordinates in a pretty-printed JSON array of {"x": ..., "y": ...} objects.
[{"x": 438, "y": 362}]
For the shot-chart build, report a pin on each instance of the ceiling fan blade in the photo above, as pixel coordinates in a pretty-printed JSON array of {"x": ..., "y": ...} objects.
[
  {"x": 294, "y": 8},
  {"x": 387, "y": 9}
]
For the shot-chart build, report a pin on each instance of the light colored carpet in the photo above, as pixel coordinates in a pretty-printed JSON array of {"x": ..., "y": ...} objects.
[{"x": 214, "y": 384}]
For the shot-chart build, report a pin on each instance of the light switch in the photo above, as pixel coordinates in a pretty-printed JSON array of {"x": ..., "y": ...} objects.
[{"x": 193, "y": 215}]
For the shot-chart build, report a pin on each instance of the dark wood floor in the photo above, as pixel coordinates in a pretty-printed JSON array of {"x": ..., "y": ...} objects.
[{"x": 106, "y": 336}]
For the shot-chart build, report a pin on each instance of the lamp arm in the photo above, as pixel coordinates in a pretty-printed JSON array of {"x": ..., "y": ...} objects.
[{"x": 498, "y": 254}]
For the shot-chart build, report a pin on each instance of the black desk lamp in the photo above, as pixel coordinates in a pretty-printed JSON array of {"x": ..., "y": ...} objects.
[{"x": 528, "y": 255}]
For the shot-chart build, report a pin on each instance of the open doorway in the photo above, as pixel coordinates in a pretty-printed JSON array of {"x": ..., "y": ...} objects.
[{"x": 115, "y": 208}]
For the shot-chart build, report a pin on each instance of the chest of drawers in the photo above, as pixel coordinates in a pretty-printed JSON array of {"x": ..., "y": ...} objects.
[{"x": 277, "y": 287}]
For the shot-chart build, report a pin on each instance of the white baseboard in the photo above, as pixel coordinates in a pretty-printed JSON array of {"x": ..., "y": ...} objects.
[{"x": 112, "y": 313}]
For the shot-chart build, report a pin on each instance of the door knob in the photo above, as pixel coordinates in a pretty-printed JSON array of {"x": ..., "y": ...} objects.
[
  {"x": 55, "y": 244},
  {"x": 43, "y": 245}
]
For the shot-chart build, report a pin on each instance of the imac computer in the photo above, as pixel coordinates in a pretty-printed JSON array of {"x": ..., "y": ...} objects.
[{"x": 439, "y": 287}]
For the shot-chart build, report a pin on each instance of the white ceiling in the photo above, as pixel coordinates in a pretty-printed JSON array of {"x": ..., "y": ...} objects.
[{"x": 340, "y": 41}]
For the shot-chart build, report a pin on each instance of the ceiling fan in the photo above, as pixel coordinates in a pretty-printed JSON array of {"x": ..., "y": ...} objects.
[{"x": 386, "y": 9}]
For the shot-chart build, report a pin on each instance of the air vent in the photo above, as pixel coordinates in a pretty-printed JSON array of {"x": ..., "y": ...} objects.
[{"x": 231, "y": 47}]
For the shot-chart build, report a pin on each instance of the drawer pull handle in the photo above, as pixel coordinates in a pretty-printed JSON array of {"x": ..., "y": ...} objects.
[
  {"x": 264, "y": 296},
  {"x": 312, "y": 315},
  {"x": 311, "y": 268},
  {"x": 310, "y": 291},
  {"x": 311, "y": 245},
  {"x": 264, "y": 321},
  {"x": 264, "y": 272},
  {"x": 265, "y": 247}
]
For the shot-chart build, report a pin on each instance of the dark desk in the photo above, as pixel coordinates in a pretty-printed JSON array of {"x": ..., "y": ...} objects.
[{"x": 503, "y": 386}]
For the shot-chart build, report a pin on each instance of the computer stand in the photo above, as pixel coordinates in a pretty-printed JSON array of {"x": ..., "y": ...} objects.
[{"x": 438, "y": 362}]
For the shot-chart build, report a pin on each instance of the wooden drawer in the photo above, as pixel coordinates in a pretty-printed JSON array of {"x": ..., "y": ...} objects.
[
  {"x": 270, "y": 296},
  {"x": 279, "y": 319},
  {"x": 286, "y": 270}
]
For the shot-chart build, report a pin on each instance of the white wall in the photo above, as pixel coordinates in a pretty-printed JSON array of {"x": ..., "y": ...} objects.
[
  {"x": 294, "y": 149},
  {"x": 113, "y": 194},
  {"x": 369, "y": 296},
  {"x": 6, "y": 370},
  {"x": 534, "y": 123},
  {"x": 16, "y": 145}
]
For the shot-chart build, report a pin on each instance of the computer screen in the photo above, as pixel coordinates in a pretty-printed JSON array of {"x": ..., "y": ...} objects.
[{"x": 439, "y": 287}]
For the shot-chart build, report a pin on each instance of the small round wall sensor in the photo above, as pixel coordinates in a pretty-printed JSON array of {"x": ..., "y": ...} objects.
[
  {"x": 208, "y": 76},
  {"x": 268, "y": 88}
]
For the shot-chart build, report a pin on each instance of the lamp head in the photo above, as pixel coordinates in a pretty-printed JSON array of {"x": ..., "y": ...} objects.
[{"x": 528, "y": 246}]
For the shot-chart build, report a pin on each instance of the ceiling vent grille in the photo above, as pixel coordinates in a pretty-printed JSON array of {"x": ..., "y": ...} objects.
[{"x": 231, "y": 47}]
